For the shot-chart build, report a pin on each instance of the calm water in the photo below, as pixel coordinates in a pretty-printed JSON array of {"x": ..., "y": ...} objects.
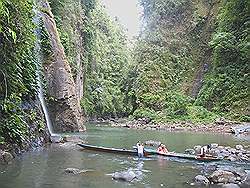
[{"x": 44, "y": 168}]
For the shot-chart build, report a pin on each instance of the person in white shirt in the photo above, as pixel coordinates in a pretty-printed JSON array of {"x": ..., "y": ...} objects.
[
  {"x": 205, "y": 150},
  {"x": 140, "y": 149}
]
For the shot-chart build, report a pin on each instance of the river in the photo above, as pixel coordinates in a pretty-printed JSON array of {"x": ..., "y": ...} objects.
[{"x": 44, "y": 167}]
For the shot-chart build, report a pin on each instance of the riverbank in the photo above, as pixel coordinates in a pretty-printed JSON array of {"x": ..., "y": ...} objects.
[{"x": 219, "y": 126}]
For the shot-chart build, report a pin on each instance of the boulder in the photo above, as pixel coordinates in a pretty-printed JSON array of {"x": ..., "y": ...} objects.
[
  {"x": 240, "y": 154},
  {"x": 246, "y": 179},
  {"x": 74, "y": 171},
  {"x": 190, "y": 151},
  {"x": 128, "y": 175},
  {"x": 214, "y": 152},
  {"x": 243, "y": 151},
  {"x": 56, "y": 139},
  {"x": 220, "y": 121},
  {"x": 236, "y": 171},
  {"x": 201, "y": 179},
  {"x": 228, "y": 148},
  {"x": 244, "y": 158},
  {"x": 214, "y": 145},
  {"x": 238, "y": 178},
  {"x": 1, "y": 157},
  {"x": 143, "y": 121},
  {"x": 71, "y": 138},
  {"x": 221, "y": 176},
  {"x": 232, "y": 150},
  {"x": 231, "y": 158},
  {"x": 6, "y": 157},
  {"x": 239, "y": 147},
  {"x": 224, "y": 153},
  {"x": 230, "y": 185},
  {"x": 197, "y": 149},
  {"x": 241, "y": 129},
  {"x": 152, "y": 143},
  {"x": 221, "y": 148}
]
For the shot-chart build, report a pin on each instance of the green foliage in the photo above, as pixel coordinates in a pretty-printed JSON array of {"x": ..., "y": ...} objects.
[
  {"x": 16, "y": 121},
  {"x": 226, "y": 86},
  {"x": 13, "y": 127},
  {"x": 145, "y": 113},
  {"x": 18, "y": 68},
  {"x": 176, "y": 103},
  {"x": 45, "y": 44},
  {"x": 112, "y": 85},
  {"x": 167, "y": 61},
  {"x": 163, "y": 63},
  {"x": 106, "y": 58},
  {"x": 16, "y": 47},
  {"x": 199, "y": 113},
  {"x": 161, "y": 52},
  {"x": 176, "y": 107}
]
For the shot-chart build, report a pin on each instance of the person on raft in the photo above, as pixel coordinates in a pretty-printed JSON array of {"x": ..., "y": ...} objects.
[
  {"x": 140, "y": 149},
  {"x": 162, "y": 149},
  {"x": 205, "y": 150}
]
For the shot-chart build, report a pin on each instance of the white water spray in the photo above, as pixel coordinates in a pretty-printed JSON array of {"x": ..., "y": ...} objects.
[{"x": 37, "y": 31}]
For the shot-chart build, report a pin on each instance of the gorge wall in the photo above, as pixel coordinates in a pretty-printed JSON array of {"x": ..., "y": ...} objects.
[
  {"x": 22, "y": 122},
  {"x": 65, "y": 110},
  {"x": 184, "y": 70}
]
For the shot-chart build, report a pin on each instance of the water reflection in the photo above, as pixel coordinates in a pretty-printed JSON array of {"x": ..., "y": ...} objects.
[
  {"x": 162, "y": 162},
  {"x": 14, "y": 169}
]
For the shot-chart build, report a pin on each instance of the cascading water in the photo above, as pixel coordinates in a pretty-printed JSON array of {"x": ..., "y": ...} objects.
[{"x": 37, "y": 31}]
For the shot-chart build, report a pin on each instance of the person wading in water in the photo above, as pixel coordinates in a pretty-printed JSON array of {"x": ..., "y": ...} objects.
[{"x": 140, "y": 149}]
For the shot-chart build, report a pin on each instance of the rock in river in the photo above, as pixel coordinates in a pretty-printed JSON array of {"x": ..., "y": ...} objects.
[
  {"x": 236, "y": 171},
  {"x": 190, "y": 151},
  {"x": 221, "y": 176},
  {"x": 246, "y": 179},
  {"x": 56, "y": 138},
  {"x": 214, "y": 145},
  {"x": 74, "y": 171},
  {"x": 230, "y": 185},
  {"x": 239, "y": 147},
  {"x": 128, "y": 175},
  {"x": 201, "y": 179},
  {"x": 197, "y": 149},
  {"x": 5, "y": 157},
  {"x": 231, "y": 158}
]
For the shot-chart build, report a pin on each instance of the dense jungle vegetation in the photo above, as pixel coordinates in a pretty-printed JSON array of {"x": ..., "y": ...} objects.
[
  {"x": 18, "y": 85},
  {"x": 185, "y": 44},
  {"x": 190, "y": 62}
]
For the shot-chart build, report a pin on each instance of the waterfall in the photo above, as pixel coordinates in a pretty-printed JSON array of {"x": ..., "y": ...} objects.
[
  {"x": 39, "y": 59},
  {"x": 43, "y": 104}
]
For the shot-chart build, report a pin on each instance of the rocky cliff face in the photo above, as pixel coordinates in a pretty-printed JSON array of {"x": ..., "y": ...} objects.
[
  {"x": 65, "y": 108},
  {"x": 206, "y": 13}
]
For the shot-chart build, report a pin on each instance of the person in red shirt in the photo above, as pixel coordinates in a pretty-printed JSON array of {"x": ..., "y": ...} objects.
[{"x": 162, "y": 149}]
